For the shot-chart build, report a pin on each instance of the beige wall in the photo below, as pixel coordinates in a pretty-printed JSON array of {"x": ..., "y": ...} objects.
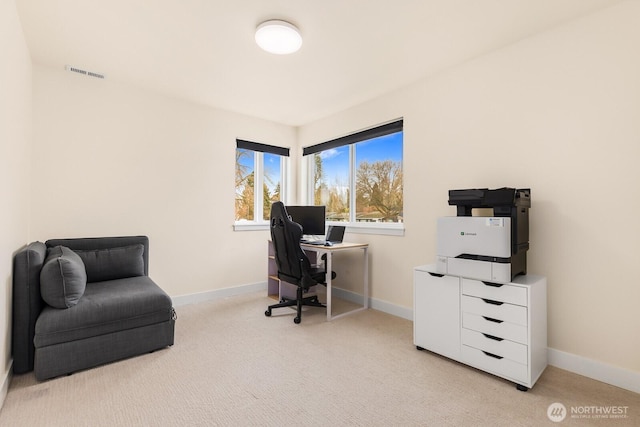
[
  {"x": 110, "y": 159},
  {"x": 15, "y": 137},
  {"x": 557, "y": 113}
]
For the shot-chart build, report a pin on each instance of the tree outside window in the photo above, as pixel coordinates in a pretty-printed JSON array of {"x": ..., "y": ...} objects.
[
  {"x": 259, "y": 177},
  {"x": 379, "y": 179},
  {"x": 272, "y": 184},
  {"x": 367, "y": 164},
  {"x": 331, "y": 182},
  {"x": 245, "y": 184}
]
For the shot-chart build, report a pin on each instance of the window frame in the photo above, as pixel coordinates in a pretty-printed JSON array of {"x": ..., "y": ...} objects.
[
  {"x": 259, "y": 151},
  {"x": 382, "y": 228}
]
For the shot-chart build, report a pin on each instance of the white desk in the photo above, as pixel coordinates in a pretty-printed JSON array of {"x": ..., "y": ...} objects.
[{"x": 329, "y": 251}]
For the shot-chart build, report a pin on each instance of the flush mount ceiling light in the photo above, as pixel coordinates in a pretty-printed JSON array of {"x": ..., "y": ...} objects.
[{"x": 279, "y": 37}]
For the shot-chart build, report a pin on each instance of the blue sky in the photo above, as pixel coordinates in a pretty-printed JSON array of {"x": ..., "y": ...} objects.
[{"x": 336, "y": 161}]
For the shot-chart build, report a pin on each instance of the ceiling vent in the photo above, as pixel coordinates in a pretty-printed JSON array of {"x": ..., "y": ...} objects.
[{"x": 85, "y": 72}]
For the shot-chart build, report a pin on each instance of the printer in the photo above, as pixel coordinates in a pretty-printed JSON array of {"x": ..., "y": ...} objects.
[{"x": 489, "y": 248}]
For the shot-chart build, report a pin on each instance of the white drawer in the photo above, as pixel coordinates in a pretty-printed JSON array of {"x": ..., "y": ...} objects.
[
  {"x": 495, "y": 291},
  {"x": 499, "y": 366},
  {"x": 497, "y": 328},
  {"x": 495, "y": 309},
  {"x": 499, "y": 347}
]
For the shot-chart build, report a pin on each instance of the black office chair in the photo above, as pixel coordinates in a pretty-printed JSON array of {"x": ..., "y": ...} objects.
[{"x": 293, "y": 265}]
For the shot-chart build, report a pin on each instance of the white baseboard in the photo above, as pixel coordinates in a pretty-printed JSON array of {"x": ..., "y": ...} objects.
[
  {"x": 619, "y": 377},
  {"x": 376, "y": 304},
  {"x": 6, "y": 381},
  {"x": 218, "y": 294}
]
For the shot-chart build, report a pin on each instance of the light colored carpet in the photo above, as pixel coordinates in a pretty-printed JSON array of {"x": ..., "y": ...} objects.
[{"x": 232, "y": 366}]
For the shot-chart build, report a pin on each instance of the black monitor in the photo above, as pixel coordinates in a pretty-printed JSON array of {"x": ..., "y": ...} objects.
[{"x": 311, "y": 218}]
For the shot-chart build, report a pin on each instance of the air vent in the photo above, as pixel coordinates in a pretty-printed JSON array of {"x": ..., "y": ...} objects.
[{"x": 85, "y": 72}]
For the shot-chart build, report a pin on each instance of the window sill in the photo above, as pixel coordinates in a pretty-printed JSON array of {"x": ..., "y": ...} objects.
[
  {"x": 388, "y": 229},
  {"x": 384, "y": 229},
  {"x": 250, "y": 226}
]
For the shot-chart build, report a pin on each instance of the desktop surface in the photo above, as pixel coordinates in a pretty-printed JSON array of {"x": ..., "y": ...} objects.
[{"x": 334, "y": 247}]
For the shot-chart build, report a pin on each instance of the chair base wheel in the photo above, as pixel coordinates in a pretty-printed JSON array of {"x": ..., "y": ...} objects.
[{"x": 296, "y": 303}]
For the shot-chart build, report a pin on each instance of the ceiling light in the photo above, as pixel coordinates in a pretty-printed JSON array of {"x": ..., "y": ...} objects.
[{"x": 279, "y": 37}]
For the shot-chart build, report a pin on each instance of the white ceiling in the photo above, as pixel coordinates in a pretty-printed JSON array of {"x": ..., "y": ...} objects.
[{"x": 353, "y": 50}]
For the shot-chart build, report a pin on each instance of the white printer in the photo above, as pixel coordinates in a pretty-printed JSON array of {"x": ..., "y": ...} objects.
[{"x": 491, "y": 248}]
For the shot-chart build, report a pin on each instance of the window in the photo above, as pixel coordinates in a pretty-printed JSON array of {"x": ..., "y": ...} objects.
[
  {"x": 260, "y": 175},
  {"x": 367, "y": 164}
]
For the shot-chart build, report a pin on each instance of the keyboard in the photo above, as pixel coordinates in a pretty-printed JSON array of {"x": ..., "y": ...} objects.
[{"x": 314, "y": 242}]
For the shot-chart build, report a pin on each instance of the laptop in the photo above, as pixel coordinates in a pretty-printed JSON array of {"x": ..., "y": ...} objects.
[{"x": 335, "y": 234}]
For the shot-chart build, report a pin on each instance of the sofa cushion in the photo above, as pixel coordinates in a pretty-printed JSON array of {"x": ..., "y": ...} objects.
[
  {"x": 113, "y": 263},
  {"x": 105, "y": 307},
  {"x": 63, "y": 278}
]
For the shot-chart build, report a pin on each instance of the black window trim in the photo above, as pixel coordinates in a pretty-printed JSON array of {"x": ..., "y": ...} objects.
[
  {"x": 264, "y": 148},
  {"x": 375, "y": 132}
]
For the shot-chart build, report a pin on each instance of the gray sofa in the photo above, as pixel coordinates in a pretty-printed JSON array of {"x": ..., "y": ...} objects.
[{"x": 74, "y": 322}]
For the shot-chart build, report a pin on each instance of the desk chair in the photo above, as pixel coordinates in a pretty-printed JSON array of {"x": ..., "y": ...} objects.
[{"x": 293, "y": 265}]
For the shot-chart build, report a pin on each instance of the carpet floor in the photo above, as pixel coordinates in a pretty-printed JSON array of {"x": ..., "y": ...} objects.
[{"x": 232, "y": 366}]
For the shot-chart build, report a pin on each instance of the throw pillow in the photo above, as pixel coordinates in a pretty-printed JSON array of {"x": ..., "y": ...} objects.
[
  {"x": 113, "y": 263},
  {"x": 63, "y": 278}
]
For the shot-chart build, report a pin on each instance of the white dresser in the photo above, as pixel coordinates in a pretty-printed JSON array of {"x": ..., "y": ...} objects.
[{"x": 500, "y": 328}]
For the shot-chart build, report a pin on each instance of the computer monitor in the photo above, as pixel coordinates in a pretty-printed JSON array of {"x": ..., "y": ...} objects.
[{"x": 311, "y": 218}]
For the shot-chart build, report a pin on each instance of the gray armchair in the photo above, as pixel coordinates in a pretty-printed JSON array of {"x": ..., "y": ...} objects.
[{"x": 115, "y": 313}]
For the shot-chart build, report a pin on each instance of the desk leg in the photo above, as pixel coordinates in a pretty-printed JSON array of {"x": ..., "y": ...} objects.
[
  {"x": 328, "y": 280},
  {"x": 366, "y": 278}
]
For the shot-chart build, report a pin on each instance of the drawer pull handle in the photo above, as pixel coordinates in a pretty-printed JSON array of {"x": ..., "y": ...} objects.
[
  {"x": 491, "y": 319},
  {"x": 495, "y": 356},
  {"x": 492, "y": 337},
  {"x": 494, "y": 285},
  {"x": 491, "y": 301},
  {"x": 435, "y": 274}
]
